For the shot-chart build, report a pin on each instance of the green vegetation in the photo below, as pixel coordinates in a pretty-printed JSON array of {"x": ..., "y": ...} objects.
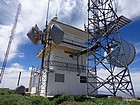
[{"x": 9, "y": 97}]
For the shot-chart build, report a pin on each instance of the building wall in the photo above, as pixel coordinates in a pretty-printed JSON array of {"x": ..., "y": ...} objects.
[
  {"x": 62, "y": 55},
  {"x": 70, "y": 86},
  {"x": 34, "y": 84},
  {"x": 58, "y": 54}
]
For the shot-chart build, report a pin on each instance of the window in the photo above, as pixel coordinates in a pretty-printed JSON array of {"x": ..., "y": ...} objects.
[
  {"x": 83, "y": 79},
  {"x": 59, "y": 77}
]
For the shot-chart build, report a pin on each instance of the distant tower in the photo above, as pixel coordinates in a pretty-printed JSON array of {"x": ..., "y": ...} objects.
[
  {"x": 10, "y": 42},
  {"x": 109, "y": 51}
]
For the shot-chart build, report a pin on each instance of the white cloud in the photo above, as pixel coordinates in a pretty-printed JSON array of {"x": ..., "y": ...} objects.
[
  {"x": 129, "y": 8},
  {"x": 137, "y": 46},
  {"x": 21, "y": 55},
  {"x": 135, "y": 79},
  {"x": 4, "y": 37},
  {"x": 7, "y": 1},
  {"x": 11, "y": 75},
  {"x": 66, "y": 8}
]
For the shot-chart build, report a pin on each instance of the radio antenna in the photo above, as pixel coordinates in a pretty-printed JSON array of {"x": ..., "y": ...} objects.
[
  {"x": 45, "y": 41},
  {"x": 47, "y": 15}
]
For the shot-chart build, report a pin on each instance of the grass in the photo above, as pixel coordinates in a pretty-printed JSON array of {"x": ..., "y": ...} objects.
[{"x": 8, "y": 97}]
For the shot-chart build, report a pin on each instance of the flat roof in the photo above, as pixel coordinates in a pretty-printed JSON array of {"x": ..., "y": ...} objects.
[{"x": 70, "y": 29}]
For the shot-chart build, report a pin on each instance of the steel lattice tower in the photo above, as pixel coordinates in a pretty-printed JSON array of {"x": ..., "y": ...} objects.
[
  {"x": 10, "y": 42},
  {"x": 103, "y": 28}
]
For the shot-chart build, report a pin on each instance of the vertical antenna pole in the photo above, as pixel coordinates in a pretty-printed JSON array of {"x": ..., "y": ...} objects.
[
  {"x": 45, "y": 41},
  {"x": 47, "y": 16},
  {"x": 19, "y": 78}
]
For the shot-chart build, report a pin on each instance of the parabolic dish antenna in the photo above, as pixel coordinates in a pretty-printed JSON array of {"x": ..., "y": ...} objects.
[
  {"x": 34, "y": 34},
  {"x": 121, "y": 54},
  {"x": 56, "y": 33}
]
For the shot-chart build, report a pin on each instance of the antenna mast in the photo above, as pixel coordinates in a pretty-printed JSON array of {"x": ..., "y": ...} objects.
[
  {"x": 9, "y": 43},
  {"x": 44, "y": 72}
]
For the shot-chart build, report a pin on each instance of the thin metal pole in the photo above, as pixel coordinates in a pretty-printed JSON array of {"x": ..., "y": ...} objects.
[
  {"x": 42, "y": 69},
  {"x": 47, "y": 16},
  {"x": 49, "y": 45},
  {"x": 30, "y": 82},
  {"x": 19, "y": 78},
  {"x": 48, "y": 65},
  {"x": 44, "y": 41}
]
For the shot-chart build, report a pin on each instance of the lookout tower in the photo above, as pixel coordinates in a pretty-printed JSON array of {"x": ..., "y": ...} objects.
[{"x": 67, "y": 70}]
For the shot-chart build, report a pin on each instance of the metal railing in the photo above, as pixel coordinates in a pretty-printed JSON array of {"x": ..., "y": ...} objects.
[{"x": 67, "y": 66}]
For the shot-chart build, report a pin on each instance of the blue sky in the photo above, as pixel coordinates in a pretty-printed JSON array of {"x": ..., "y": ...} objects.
[
  {"x": 74, "y": 12},
  {"x": 131, "y": 34}
]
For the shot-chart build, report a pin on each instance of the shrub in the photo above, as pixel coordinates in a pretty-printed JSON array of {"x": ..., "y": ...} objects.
[
  {"x": 9, "y": 97},
  {"x": 6, "y": 91},
  {"x": 69, "y": 103},
  {"x": 78, "y": 103},
  {"x": 59, "y": 99},
  {"x": 38, "y": 100},
  {"x": 27, "y": 94},
  {"x": 134, "y": 103},
  {"x": 12, "y": 99}
]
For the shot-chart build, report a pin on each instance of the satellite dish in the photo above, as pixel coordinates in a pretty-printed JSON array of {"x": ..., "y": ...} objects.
[
  {"x": 121, "y": 53},
  {"x": 133, "y": 53},
  {"x": 56, "y": 33},
  {"x": 34, "y": 34}
]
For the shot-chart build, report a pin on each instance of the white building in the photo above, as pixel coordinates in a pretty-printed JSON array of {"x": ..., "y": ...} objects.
[{"x": 68, "y": 73}]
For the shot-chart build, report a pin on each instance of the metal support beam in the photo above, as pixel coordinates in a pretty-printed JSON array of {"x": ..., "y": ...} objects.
[{"x": 103, "y": 26}]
